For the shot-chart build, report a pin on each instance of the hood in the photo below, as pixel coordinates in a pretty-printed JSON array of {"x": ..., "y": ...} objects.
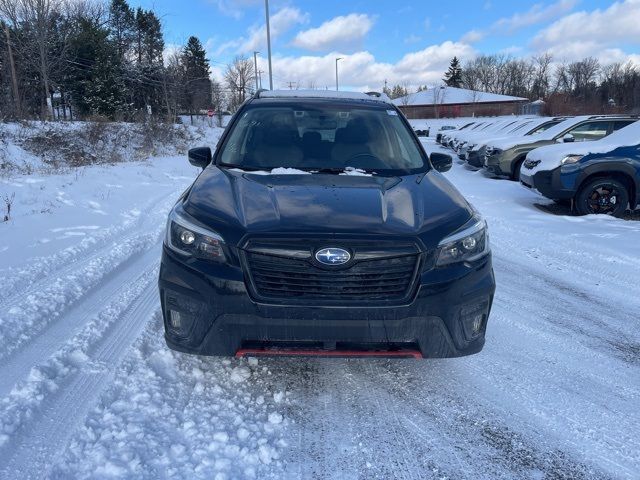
[
  {"x": 239, "y": 203},
  {"x": 550, "y": 156},
  {"x": 510, "y": 142}
]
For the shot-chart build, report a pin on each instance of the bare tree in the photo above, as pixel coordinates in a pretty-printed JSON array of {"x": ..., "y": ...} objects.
[
  {"x": 541, "y": 82},
  {"x": 404, "y": 100},
  {"x": 217, "y": 100},
  {"x": 240, "y": 76},
  {"x": 439, "y": 94},
  {"x": 38, "y": 14},
  {"x": 474, "y": 98},
  {"x": 172, "y": 85}
]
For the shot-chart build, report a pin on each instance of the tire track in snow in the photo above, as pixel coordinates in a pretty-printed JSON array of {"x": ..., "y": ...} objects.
[
  {"x": 30, "y": 451},
  {"x": 40, "y": 271},
  {"x": 17, "y": 364},
  {"x": 25, "y": 315}
]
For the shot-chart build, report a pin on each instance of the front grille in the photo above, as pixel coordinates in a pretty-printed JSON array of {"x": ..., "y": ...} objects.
[
  {"x": 369, "y": 279},
  {"x": 531, "y": 164}
]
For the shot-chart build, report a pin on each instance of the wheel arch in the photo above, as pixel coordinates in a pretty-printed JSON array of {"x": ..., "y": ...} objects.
[
  {"x": 519, "y": 158},
  {"x": 623, "y": 175}
]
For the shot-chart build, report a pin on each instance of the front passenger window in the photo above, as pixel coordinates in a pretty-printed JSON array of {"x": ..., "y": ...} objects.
[{"x": 589, "y": 131}]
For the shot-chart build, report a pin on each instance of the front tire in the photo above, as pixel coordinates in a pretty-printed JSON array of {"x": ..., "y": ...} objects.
[
  {"x": 516, "y": 170},
  {"x": 602, "y": 196}
]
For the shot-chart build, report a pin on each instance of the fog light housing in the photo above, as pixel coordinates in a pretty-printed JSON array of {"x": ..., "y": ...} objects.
[
  {"x": 181, "y": 314},
  {"x": 473, "y": 318}
]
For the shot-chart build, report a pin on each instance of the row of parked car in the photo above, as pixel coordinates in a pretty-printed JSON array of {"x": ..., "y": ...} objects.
[{"x": 593, "y": 162}]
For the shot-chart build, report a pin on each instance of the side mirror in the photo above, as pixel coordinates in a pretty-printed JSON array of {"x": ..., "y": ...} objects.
[
  {"x": 568, "y": 138},
  {"x": 441, "y": 161},
  {"x": 200, "y": 156}
]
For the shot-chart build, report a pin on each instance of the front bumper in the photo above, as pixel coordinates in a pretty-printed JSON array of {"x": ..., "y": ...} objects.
[
  {"x": 548, "y": 183},
  {"x": 494, "y": 164},
  {"x": 222, "y": 318},
  {"x": 475, "y": 158}
]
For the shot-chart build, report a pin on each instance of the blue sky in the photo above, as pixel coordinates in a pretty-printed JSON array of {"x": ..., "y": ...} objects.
[{"x": 406, "y": 41}]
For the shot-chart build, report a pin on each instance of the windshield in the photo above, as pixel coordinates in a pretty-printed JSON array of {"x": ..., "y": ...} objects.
[
  {"x": 544, "y": 127},
  {"x": 320, "y": 136},
  {"x": 519, "y": 127}
]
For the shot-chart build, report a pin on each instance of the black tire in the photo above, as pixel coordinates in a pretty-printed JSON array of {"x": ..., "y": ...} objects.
[
  {"x": 517, "y": 166},
  {"x": 602, "y": 196}
]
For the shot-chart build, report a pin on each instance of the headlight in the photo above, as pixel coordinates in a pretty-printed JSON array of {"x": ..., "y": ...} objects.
[
  {"x": 186, "y": 237},
  {"x": 469, "y": 243},
  {"x": 571, "y": 159}
]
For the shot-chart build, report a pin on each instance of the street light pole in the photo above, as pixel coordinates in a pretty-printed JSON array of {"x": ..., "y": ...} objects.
[
  {"x": 266, "y": 8},
  {"x": 255, "y": 68},
  {"x": 339, "y": 58}
]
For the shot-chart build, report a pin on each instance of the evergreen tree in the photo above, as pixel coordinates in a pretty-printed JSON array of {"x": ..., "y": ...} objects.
[
  {"x": 197, "y": 86},
  {"x": 398, "y": 91},
  {"x": 95, "y": 77},
  {"x": 121, "y": 26},
  {"x": 453, "y": 76},
  {"x": 145, "y": 72}
]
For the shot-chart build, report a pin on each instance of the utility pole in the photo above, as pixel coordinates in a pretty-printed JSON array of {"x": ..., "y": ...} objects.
[
  {"x": 291, "y": 85},
  {"x": 255, "y": 68},
  {"x": 266, "y": 8},
  {"x": 14, "y": 78},
  {"x": 260, "y": 72},
  {"x": 339, "y": 58}
]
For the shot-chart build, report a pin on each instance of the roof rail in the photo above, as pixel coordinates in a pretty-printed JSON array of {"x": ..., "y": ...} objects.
[
  {"x": 619, "y": 115},
  {"x": 380, "y": 95},
  {"x": 258, "y": 92},
  {"x": 339, "y": 95}
]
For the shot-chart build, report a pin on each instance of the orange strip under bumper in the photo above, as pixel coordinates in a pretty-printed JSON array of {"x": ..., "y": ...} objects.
[{"x": 283, "y": 352}]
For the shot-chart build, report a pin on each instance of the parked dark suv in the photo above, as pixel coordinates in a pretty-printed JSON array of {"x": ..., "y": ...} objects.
[
  {"x": 321, "y": 226},
  {"x": 505, "y": 157},
  {"x": 598, "y": 177}
]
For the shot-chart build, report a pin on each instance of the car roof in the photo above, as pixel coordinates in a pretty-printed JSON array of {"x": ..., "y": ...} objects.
[{"x": 379, "y": 98}]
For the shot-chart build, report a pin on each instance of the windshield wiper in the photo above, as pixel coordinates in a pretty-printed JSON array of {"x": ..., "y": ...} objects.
[
  {"x": 241, "y": 167},
  {"x": 332, "y": 170}
]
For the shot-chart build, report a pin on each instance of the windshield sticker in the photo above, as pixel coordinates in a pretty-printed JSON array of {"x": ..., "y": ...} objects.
[{"x": 392, "y": 112}]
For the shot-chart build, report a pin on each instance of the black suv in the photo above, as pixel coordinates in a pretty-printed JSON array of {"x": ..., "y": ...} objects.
[{"x": 321, "y": 226}]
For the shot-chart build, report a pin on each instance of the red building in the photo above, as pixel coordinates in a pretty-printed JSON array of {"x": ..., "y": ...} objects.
[{"x": 448, "y": 102}]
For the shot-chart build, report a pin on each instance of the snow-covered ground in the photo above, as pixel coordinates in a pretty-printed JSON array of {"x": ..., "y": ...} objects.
[{"x": 88, "y": 388}]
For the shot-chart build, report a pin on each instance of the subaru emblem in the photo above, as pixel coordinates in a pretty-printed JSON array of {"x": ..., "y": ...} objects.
[{"x": 333, "y": 256}]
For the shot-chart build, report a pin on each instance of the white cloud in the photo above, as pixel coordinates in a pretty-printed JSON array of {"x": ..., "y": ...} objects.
[
  {"x": 361, "y": 71},
  {"x": 618, "y": 23},
  {"x": 235, "y": 8},
  {"x": 538, "y": 13},
  {"x": 473, "y": 36},
  {"x": 412, "y": 39},
  {"x": 256, "y": 38},
  {"x": 598, "y": 33},
  {"x": 344, "y": 32},
  {"x": 279, "y": 23}
]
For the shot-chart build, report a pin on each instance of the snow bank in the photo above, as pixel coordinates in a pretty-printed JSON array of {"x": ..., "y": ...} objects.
[{"x": 45, "y": 147}]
